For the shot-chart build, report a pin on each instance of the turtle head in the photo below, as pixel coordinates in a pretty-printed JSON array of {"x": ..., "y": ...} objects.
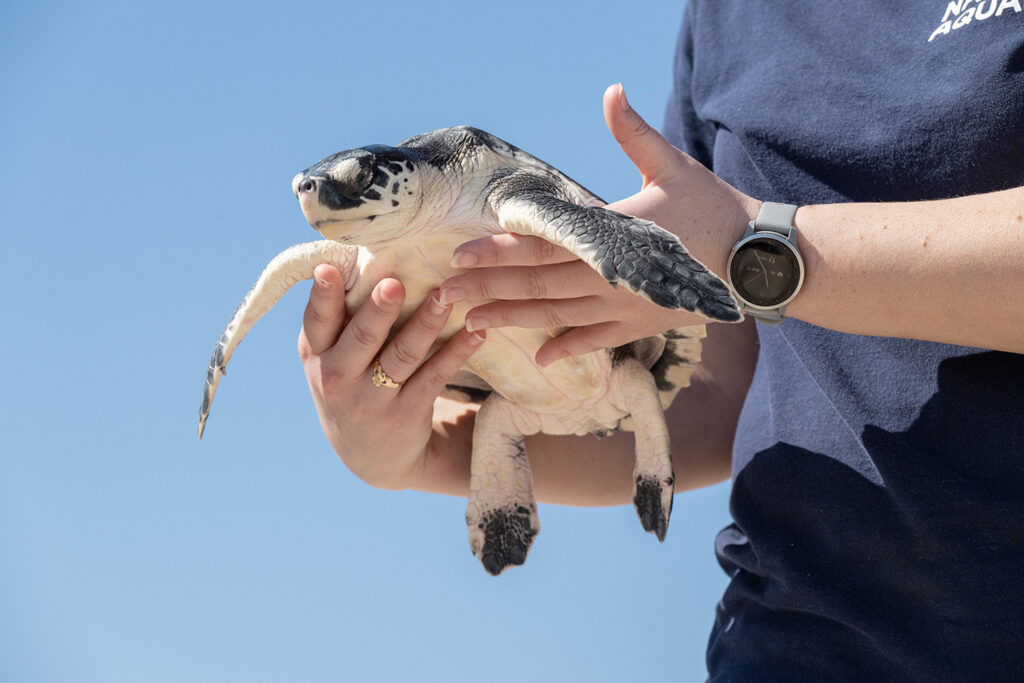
[{"x": 363, "y": 195}]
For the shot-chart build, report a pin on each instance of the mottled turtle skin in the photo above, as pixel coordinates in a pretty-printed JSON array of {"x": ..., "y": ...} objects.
[{"x": 400, "y": 212}]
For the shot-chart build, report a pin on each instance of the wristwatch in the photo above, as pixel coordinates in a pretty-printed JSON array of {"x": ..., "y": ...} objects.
[{"x": 765, "y": 269}]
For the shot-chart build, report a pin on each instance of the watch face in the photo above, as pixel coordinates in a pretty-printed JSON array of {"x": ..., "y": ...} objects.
[{"x": 765, "y": 271}]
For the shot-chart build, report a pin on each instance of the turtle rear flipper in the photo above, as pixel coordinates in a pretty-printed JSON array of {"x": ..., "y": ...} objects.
[
  {"x": 286, "y": 269},
  {"x": 634, "y": 389},
  {"x": 646, "y": 258},
  {"x": 501, "y": 513}
]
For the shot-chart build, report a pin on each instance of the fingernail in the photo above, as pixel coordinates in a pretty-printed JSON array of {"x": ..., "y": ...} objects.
[
  {"x": 451, "y": 295},
  {"x": 477, "y": 338},
  {"x": 464, "y": 259},
  {"x": 435, "y": 306},
  {"x": 476, "y": 323},
  {"x": 623, "y": 102},
  {"x": 384, "y": 295}
]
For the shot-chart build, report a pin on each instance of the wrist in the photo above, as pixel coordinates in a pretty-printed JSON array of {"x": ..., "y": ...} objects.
[
  {"x": 731, "y": 230},
  {"x": 805, "y": 221}
]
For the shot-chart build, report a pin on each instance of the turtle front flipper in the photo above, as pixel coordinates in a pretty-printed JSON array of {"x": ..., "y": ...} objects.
[
  {"x": 286, "y": 269},
  {"x": 646, "y": 258},
  {"x": 501, "y": 514}
]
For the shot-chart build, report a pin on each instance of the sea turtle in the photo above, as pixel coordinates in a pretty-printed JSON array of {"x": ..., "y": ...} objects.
[{"x": 400, "y": 211}]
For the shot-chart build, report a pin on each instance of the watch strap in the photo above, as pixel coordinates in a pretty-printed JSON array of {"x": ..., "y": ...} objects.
[
  {"x": 772, "y": 316},
  {"x": 775, "y": 217}
]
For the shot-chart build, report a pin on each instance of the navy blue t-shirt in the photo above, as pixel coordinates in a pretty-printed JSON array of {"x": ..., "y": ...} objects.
[{"x": 878, "y": 484}]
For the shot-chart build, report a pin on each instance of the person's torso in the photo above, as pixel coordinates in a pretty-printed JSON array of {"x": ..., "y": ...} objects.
[{"x": 878, "y": 490}]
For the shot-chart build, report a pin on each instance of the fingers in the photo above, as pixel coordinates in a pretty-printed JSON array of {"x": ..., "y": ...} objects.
[
  {"x": 558, "y": 281},
  {"x": 402, "y": 359},
  {"x": 431, "y": 378},
  {"x": 645, "y": 146},
  {"x": 366, "y": 332},
  {"x": 325, "y": 312},
  {"x": 410, "y": 346},
  {"x": 581, "y": 340},
  {"x": 545, "y": 313},
  {"x": 509, "y": 250}
]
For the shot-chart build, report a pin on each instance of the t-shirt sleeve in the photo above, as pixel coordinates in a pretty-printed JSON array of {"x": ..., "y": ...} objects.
[{"x": 683, "y": 127}]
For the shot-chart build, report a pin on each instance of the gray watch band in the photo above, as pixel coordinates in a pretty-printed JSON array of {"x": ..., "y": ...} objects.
[{"x": 775, "y": 217}]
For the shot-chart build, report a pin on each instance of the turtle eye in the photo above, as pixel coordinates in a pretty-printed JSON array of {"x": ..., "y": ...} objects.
[
  {"x": 364, "y": 175},
  {"x": 380, "y": 176}
]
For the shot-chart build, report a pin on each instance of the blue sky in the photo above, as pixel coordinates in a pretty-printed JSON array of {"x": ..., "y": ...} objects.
[{"x": 146, "y": 151}]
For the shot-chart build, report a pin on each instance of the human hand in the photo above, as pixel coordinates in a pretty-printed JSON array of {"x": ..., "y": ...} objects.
[
  {"x": 536, "y": 284},
  {"x": 380, "y": 433}
]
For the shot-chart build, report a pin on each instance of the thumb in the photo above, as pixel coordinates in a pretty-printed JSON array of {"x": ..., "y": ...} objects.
[{"x": 651, "y": 153}]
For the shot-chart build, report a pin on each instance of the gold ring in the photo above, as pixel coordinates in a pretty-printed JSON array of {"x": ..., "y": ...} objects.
[{"x": 380, "y": 378}]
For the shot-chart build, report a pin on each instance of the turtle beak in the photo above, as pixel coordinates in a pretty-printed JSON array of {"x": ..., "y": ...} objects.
[
  {"x": 307, "y": 191},
  {"x": 299, "y": 184}
]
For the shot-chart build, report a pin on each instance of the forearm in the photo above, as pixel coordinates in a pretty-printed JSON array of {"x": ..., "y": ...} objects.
[
  {"x": 942, "y": 271},
  {"x": 588, "y": 471}
]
